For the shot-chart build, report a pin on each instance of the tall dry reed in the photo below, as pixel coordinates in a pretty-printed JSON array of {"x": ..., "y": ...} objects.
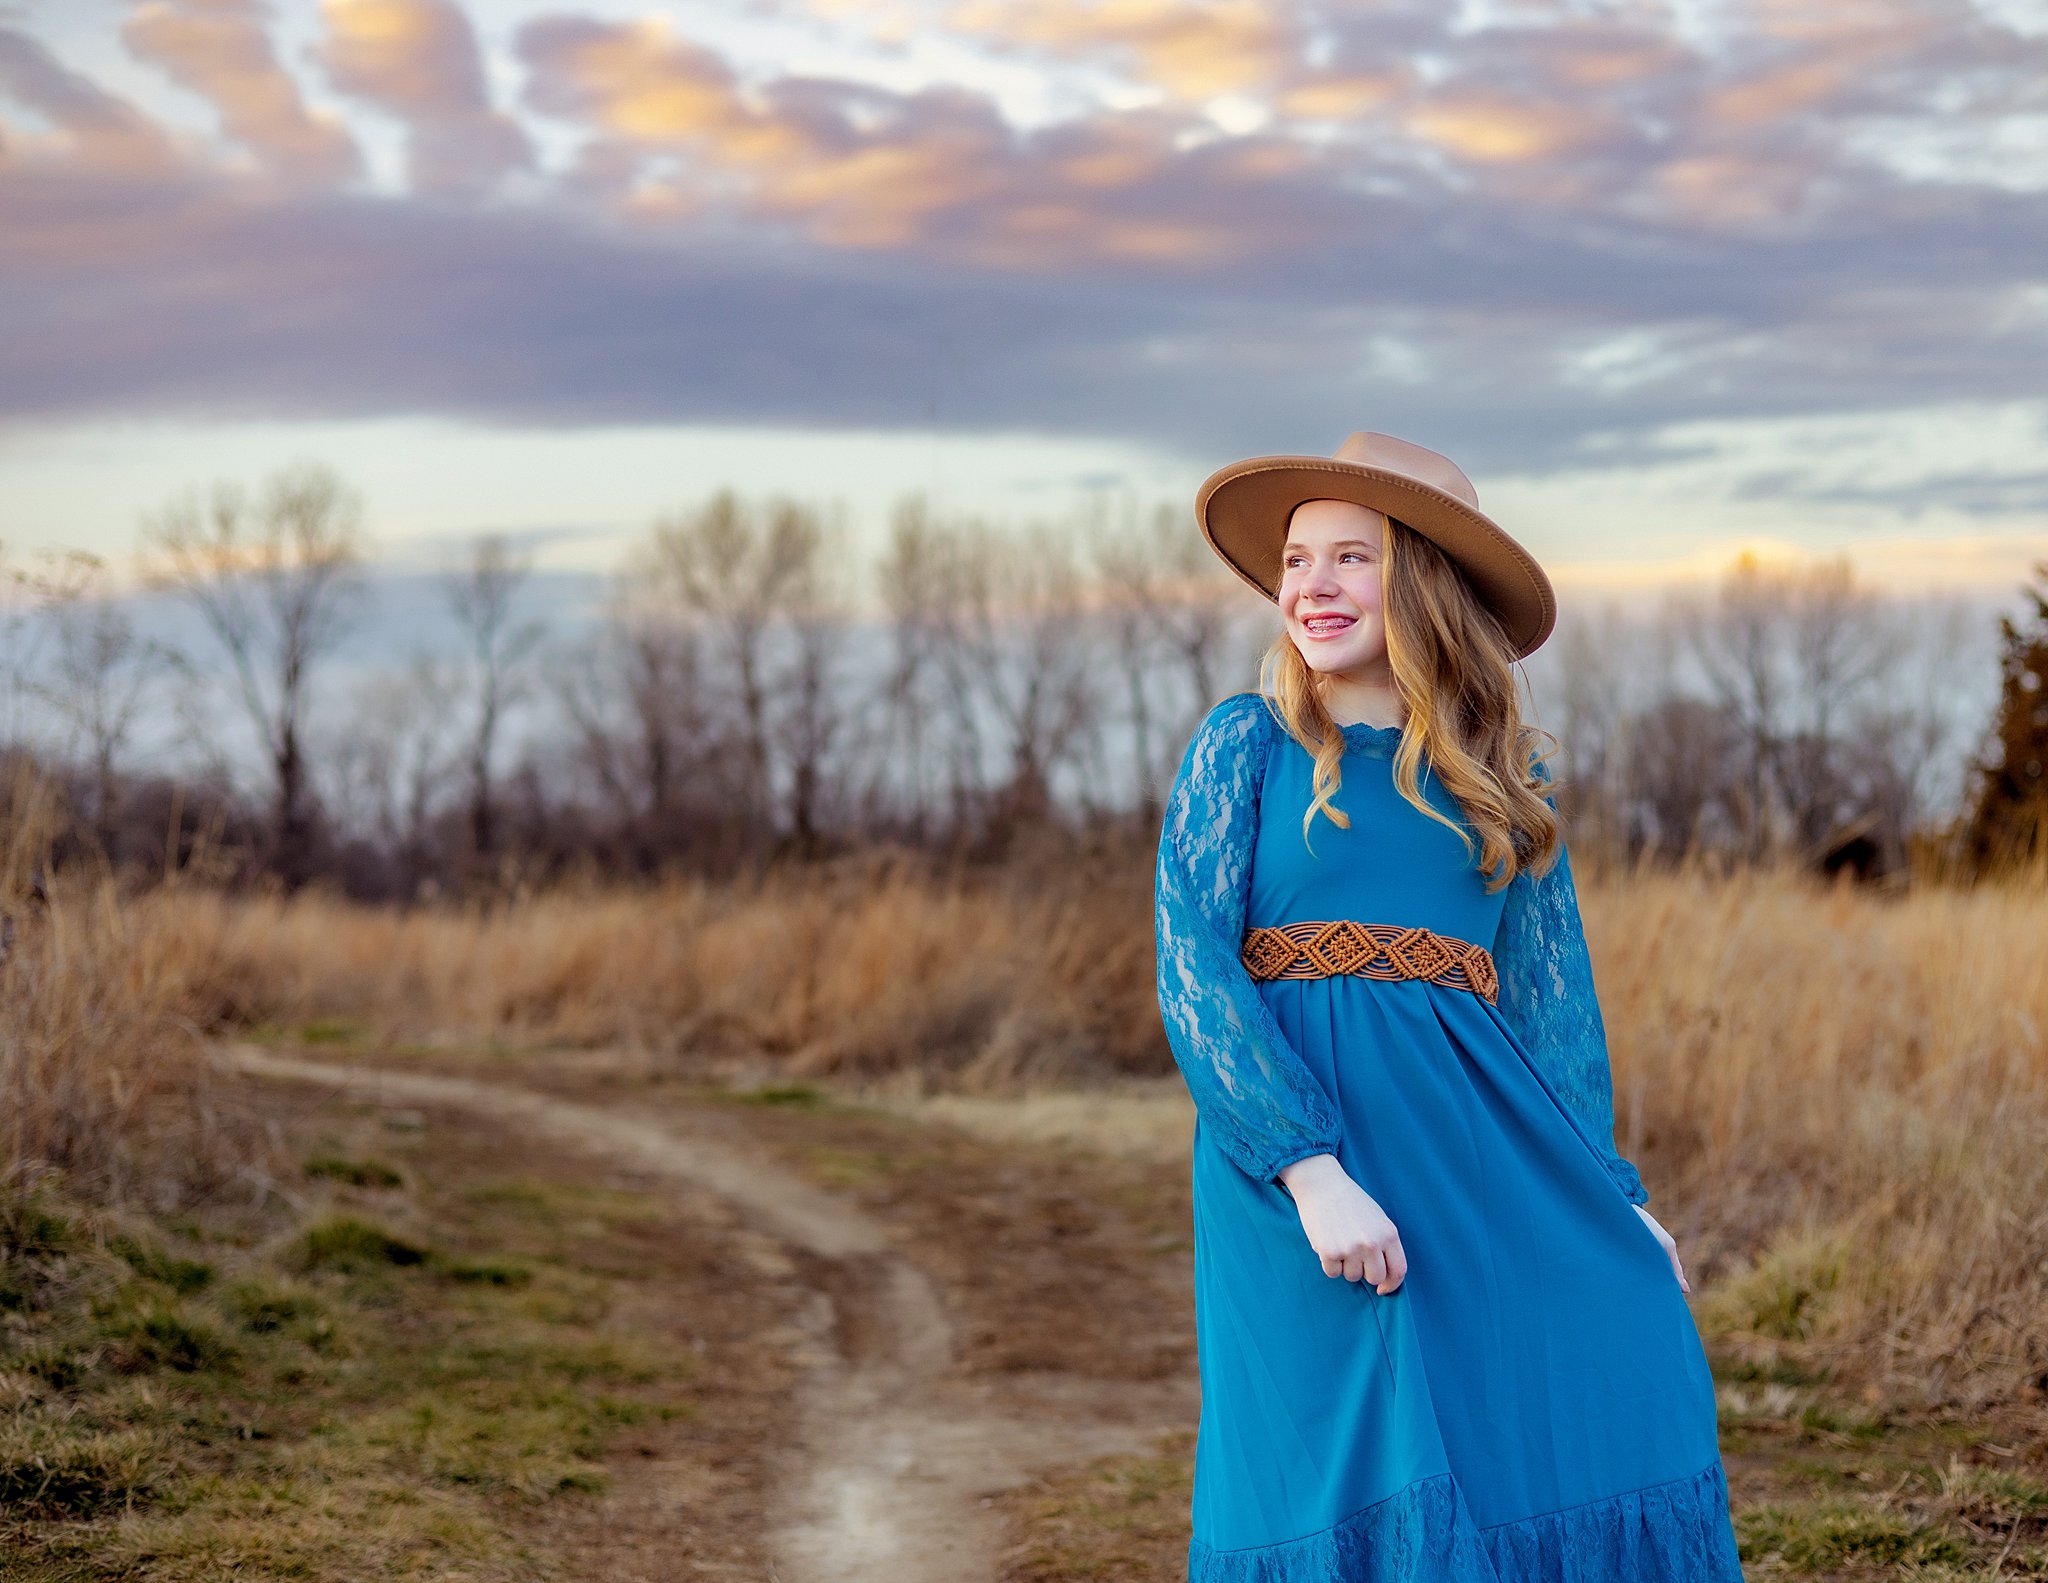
[
  {"x": 106, "y": 1088},
  {"x": 1839, "y": 1098},
  {"x": 986, "y": 981},
  {"x": 1843, "y": 1096}
]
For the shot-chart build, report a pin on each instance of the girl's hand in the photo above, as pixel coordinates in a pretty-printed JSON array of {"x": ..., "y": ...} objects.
[
  {"x": 1349, "y": 1231},
  {"x": 1670, "y": 1247}
]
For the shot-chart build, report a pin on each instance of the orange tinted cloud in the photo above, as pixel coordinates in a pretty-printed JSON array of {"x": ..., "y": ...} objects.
[
  {"x": 418, "y": 60},
  {"x": 640, "y": 82},
  {"x": 882, "y": 195},
  {"x": 1823, "y": 53},
  {"x": 219, "y": 50},
  {"x": 1340, "y": 96},
  {"x": 1194, "y": 49},
  {"x": 1733, "y": 189},
  {"x": 1785, "y": 91},
  {"x": 1493, "y": 128},
  {"x": 855, "y": 166},
  {"x": 1613, "y": 62}
]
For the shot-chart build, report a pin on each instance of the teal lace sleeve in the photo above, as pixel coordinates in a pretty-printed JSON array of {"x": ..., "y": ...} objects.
[
  {"x": 1546, "y": 995},
  {"x": 1252, "y": 1091}
]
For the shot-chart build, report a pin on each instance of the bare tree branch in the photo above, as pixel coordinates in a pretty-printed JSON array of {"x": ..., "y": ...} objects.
[{"x": 276, "y": 581}]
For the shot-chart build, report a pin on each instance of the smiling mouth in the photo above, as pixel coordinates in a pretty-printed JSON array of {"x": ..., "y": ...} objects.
[{"x": 1328, "y": 626}]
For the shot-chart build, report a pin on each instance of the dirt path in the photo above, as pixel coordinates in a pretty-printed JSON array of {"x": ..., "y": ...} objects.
[{"x": 897, "y": 1453}]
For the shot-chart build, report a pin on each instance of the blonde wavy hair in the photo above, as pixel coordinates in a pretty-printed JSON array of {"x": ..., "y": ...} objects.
[{"x": 1454, "y": 671}]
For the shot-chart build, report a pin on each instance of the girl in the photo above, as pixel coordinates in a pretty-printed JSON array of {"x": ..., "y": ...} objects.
[{"x": 1440, "y": 1338}]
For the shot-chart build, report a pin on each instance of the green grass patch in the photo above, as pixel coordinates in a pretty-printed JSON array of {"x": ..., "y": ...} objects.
[
  {"x": 149, "y": 1258},
  {"x": 345, "y": 1242},
  {"x": 559, "y": 1208},
  {"x": 355, "y": 1173},
  {"x": 1994, "y": 1496},
  {"x": 32, "y": 1227},
  {"x": 334, "y": 1031},
  {"x": 834, "y": 1166},
  {"x": 488, "y": 1272},
  {"x": 1826, "y": 1535},
  {"x": 787, "y": 1096},
  {"x": 50, "y": 1470},
  {"x": 1763, "y": 1324},
  {"x": 326, "y": 1395},
  {"x": 269, "y": 1303},
  {"x": 155, "y": 1331}
]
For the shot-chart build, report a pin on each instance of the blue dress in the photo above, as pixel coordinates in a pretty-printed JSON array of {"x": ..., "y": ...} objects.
[{"x": 1532, "y": 1404}]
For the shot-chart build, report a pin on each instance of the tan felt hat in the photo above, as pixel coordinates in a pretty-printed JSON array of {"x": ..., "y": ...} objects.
[{"x": 1244, "y": 509}]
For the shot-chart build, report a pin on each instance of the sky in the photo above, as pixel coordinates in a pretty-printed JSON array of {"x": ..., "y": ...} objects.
[{"x": 1667, "y": 278}]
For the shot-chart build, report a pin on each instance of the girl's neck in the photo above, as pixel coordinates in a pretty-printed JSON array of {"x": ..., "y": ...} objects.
[{"x": 1362, "y": 701}]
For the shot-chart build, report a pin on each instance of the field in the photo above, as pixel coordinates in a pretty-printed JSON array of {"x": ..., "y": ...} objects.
[{"x": 838, "y": 1222}]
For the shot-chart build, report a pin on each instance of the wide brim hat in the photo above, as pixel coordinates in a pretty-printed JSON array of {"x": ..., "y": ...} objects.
[{"x": 1244, "y": 510}]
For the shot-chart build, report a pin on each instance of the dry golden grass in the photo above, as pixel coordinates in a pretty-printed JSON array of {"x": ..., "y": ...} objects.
[
  {"x": 1843, "y": 1099},
  {"x": 102, "y": 1081},
  {"x": 1840, "y": 1098},
  {"x": 848, "y": 972}
]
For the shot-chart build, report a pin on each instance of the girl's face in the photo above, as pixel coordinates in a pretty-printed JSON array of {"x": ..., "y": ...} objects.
[{"x": 1330, "y": 594}]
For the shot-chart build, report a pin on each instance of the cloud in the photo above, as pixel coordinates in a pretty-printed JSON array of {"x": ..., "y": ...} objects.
[
  {"x": 1195, "y": 49},
  {"x": 1555, "y": 230},
  {"x": 220, "y": 50},
  {"x": 418, "y": 60},
  {"x": 98, "y": 132},
  {"x": 1493, "y": 129},
  {"x": 1341, "y": 96},
  {"x": 853, "y": 166}
]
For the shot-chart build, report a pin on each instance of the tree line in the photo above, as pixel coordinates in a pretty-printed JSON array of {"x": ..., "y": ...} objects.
[{"x": 751, "y": 691}]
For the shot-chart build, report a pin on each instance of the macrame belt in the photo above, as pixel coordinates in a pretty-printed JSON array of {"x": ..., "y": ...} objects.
[{"x": 1371, "y": 950}]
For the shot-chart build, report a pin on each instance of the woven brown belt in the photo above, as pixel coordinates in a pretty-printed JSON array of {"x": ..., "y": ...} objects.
[{"x": 1372, "y": 950}]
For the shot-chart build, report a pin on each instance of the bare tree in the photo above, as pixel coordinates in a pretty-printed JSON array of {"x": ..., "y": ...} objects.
[
  {"x": 1201, "y": 612},
  {"x": 1738, "y": 639},
  {"x": 912, "y": 584},
  {"x": 725, "y": 570},
  {"x": 756, "y": 581},
  {"x": 1183, "y": 631},
  {"x": 1133, "y": 575},
  {"x": 1683, "y": 778},
  {"x": 1796, "y": 656},
  {"x": 275, "y": 578},
  {"x": 100, "y": 674},
  {"x": 1930, "y": 703},
  {"x": 1016, "y": 649},
  {"x": 497, "y": 649},
  {"x": 1590, "y": 704},
  {"x": 54, "y": 580},
  {"x": 1842, "y": 642},
  {"x": 811, "y": 720},
  {"x": 393, "y": 763},
  {"x": 633, "y": 697}
]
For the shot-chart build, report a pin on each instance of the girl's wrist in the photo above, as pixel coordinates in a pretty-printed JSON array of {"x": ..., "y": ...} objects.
[{"x": 1308, "y": 1169}]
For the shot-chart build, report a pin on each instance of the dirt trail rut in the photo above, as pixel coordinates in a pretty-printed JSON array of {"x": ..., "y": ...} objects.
[{"x": 894, "y": 1452}]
